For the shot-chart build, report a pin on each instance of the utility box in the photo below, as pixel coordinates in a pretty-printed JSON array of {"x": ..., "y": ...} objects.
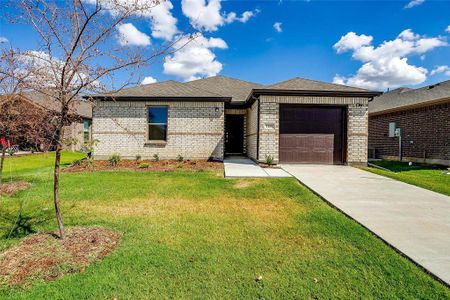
[
  {"x": 398, "y": 132},
  {"x": 392, "y": 128}
]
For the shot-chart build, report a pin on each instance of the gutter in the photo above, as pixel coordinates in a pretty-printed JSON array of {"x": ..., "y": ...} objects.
[
  {"x": 276, "y": 92},
  {"x": 165, "y": 98}
]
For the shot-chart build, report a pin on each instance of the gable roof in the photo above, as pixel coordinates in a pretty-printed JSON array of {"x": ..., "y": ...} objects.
[
  {"x": 163, "y": 89},
  {"x": 226, "y": 89},
  {"x": 226, "y": 86},
  {"x": 78, "y": 107},
  {"x": 298, "y": 83},
  {"x": 409, "y": 98}
]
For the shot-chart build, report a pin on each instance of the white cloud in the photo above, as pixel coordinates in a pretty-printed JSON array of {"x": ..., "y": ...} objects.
[
  {"x": 162, "y": 22},
  {"x": 148, "y": 80},
  {"x": 3, "y": 40},
  {"x": 448, "y": 29},
  {"x": 245, "y": 16},
  {"x": 44, "y": 70},
  {"x": 194, "y": 59},
  {"x": 130, "y": 35},
  {"x": 207, "y": 15},
  {"x": 441, "y": 69},
  {"x": 386, "y": 66},
  {"x": 352, "y": 41},
  {"x": 414, "y": 3},
  {"x": 277, "y": 26}
]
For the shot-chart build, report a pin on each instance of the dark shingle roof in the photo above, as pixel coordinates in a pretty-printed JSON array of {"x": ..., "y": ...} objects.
[
  {"x": 407, "y": 98},
  {"x": 226, "y": 86},
  {"x": 302, "y": 84},
  {"x": 223, "y": 88},
  {"x": 79, "y": 106},
  {"x": 168, "y": 88}
]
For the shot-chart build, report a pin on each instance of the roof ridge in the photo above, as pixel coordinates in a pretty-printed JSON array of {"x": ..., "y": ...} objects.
[
  {"x": 227, "y": 77},
  {"x": 316, "y": 81}
]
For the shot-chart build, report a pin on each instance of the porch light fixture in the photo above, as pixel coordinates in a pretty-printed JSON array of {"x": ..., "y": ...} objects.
[{"x": 216, "y": 109}]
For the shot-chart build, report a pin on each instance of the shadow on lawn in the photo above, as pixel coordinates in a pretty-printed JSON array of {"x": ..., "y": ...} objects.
[
  {"x": 397, "y": 166},
  {"x": 20, "y": 224}
]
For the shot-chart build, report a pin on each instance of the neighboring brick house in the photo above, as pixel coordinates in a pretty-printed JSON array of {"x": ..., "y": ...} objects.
[
  {"x": 295, "y": 121},
  {"x": 80, "y": 111},
  {"x": 423, "y": 116}
]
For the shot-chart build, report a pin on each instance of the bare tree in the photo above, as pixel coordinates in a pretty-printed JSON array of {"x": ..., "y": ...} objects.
[
  {"x": 76, "y": 55},
  {"x": 13, "y": 116}
]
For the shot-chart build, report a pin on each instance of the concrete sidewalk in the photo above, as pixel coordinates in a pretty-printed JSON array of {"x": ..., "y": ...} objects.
[
  {"x": 415, "y": 221},
  {"x": 239, "y": 166}
]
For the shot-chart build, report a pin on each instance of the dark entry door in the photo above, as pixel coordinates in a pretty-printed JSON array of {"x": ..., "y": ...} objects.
[
  {"x": 234, "y": 134},
  {"x": 312, "y": 134}
]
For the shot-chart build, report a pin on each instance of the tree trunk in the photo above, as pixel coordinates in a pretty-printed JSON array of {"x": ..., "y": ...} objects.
[
  {"x": 58, "y": 134},
  {"x": 2, "y": 160}
]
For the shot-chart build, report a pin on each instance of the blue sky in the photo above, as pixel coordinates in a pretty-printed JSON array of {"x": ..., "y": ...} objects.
[{"x": 252, "y": 49}]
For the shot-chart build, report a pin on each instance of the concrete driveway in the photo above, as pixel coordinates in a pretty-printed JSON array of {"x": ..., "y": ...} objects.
[{"x": 413, "y": 220}]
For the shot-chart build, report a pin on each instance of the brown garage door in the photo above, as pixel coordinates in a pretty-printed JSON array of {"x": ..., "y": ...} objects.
[{"x": 311, "y": 134}]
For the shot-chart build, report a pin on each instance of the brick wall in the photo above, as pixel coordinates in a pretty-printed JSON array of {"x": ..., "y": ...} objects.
[
  {"x": 194, "y": 130},
  {"x": 426, "y": 134},
  {"x": 357, "y": 124},
  {"x": 74, "y": 131}
]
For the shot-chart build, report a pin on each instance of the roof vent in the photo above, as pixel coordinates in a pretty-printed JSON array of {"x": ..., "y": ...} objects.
[{"x": 433, "y": 86}]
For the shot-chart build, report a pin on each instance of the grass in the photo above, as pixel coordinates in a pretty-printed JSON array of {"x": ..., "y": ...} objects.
[
  {"x": 197, "y": 235},
  {"x": 429, "y": 177}
]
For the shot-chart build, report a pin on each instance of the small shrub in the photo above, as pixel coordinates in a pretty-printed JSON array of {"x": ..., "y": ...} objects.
[
  {"x": 269, "y": 160},
  {"x": 144, "y": 166},
  {"x": 138, "y": 157},
  {"x": 90, "y": 162},
  {"x": 156, "y": 156},
  {"x": 114, "y": 160},
  {"x": 180, "y": 158}
]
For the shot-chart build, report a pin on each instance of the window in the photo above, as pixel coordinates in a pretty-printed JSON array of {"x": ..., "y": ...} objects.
[
  {"x": 86, "y": 130},
  {"x": 157, "y": 123}
]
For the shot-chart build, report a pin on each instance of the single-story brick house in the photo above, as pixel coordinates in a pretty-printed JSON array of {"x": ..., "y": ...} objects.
[
  {"x": 80, "y": 111},
  {"x": 294, "y": 121},
  {"x": 423, "y": 116}
]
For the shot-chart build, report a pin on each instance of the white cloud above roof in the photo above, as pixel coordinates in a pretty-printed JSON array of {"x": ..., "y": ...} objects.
[
  {"x": 148, "y": 80},
  {"x": 162, "y": 23},
  {"x": 352, "y": 41},
  {"x": 386, "y": 65},
  {"x": 194, "y": 58},
  {"x": 3, "y": 40},
  {"x": 130, "y": 35},
  {"x": 277, "y": 26},
  {"x": 207, "y": 15},
  {"x": 448, "y": 29},
  {"x": 441, "y": 69},
  {"x": 413, "y": 3}
]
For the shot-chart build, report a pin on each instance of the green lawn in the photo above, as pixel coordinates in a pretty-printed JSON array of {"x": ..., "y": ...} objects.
[
  {"x": 198, "y": 235},
  {"x": 428, "y": 177}
]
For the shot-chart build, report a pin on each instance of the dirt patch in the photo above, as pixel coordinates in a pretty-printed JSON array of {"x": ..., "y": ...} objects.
[
  {"x": 43, "y": 256},
  {"x": 245, "y": 183},
  {"x": 145, "y": 166},
  {"x": 11, "y": 188}
]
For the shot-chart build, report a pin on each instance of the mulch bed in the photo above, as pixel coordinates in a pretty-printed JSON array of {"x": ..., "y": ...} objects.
[
  {"x": 11, "y": 188},
  {"x": 146, "y": 166},
  {"x": 44, "y": 256}
]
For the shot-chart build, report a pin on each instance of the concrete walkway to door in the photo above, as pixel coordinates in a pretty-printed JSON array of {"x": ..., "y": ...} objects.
[
  {"x": 241, "y": 166},
  {"x": 413, "y": 220}
]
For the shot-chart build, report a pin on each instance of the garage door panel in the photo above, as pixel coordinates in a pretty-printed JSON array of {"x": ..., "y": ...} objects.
[
  {"x": 307, "y": 148},
  {"x": 311, "y": 134}
]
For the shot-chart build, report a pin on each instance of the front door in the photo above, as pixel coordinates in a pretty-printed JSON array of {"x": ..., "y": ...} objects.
[{"x": 234, "y": 134}]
